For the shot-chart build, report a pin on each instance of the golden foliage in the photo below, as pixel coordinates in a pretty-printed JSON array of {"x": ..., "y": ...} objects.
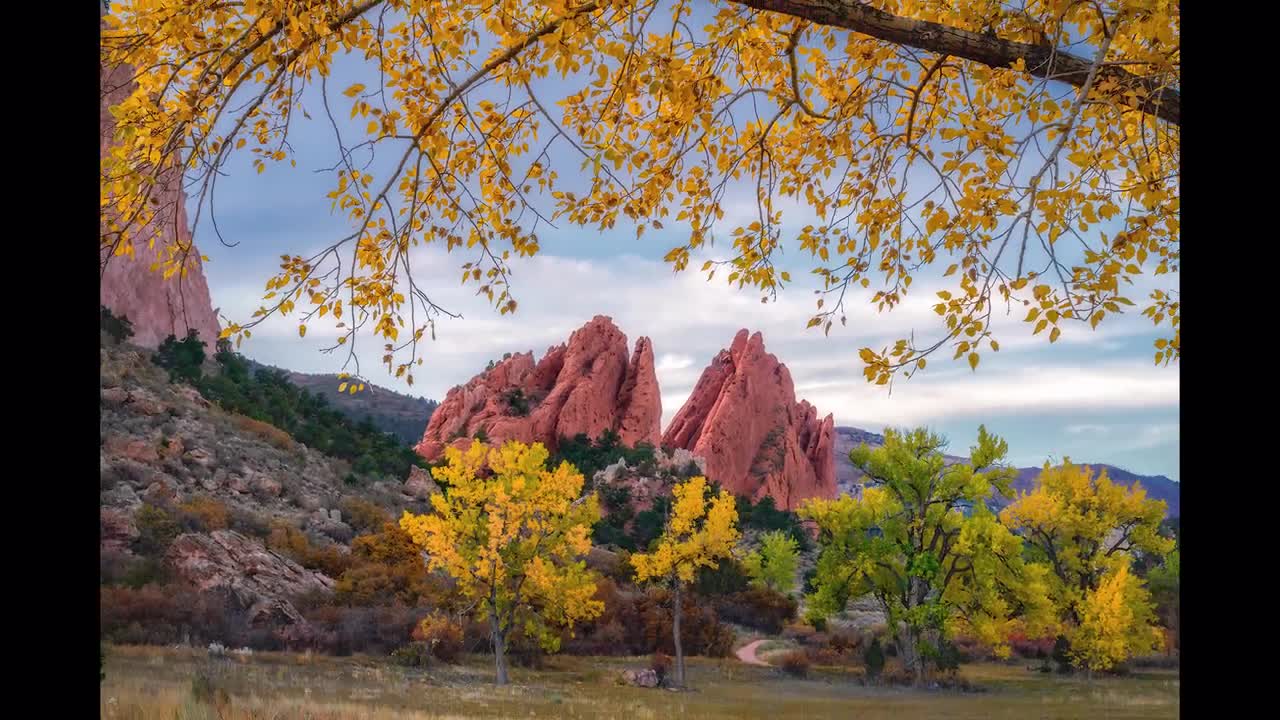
[
  {"x": 512, "y": 534},
  {"x": 698, "y": 534},
  {"x": 879, "y": 162}
]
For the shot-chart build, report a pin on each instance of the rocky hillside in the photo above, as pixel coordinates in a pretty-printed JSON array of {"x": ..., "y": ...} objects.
[
  {"x": 156, "y": 307},
  {"x": 758, "y": 441},
  {"x": 404, "y": 416},
  {"x": 588, "y": 385},
  {"x": 167, "y": 452},
  {"x": 849, "y": 478}
]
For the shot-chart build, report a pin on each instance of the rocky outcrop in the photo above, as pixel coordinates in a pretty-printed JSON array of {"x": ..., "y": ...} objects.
[
  {"x": 588, "y": 385},
  {"x": 743, "y": 419},
  {"x": 260, "y": 580},
  {"x": 156, "y": 307}
]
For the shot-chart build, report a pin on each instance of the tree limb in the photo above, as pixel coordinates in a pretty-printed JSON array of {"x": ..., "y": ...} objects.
[{"x": 1043, "y": 60}]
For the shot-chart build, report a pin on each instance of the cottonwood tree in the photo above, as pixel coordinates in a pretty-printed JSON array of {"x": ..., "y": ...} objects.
[
  {"x": 512, "y": 534},
  {"x": 1087, "y": 530},
  {"x": 700, "y": 531},
  {"x": 1017, "y": 157},
  {"x": 921, "y": 541},
  {"x": 773, "y": 564}
]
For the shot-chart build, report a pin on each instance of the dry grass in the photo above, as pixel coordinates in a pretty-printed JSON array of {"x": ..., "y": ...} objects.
[{"x": 146, "y": 683}]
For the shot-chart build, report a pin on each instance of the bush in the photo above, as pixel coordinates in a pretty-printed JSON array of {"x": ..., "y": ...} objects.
[
  {"x": 844, "y": 642},
  {"x": 414, "y": 654},
  {"x": 157, "y": 528},
  {"x": 293, "y": 543},
  {"x": 636, "y": 622},
  {"x": 182, "y": 358},
  {"x": 760, "y": 608},
  {"x": 118, "y": 328},
  {"x": 386, "y": 567},
  {"x": 204, "y": 514},
  {"x": 362, "y": 515},
  {"x": 795, "y": 663},
  {"x": 873, "y": 658},
  {"x": 273, "y": 435},
  {"x": 441, "y": 634}
]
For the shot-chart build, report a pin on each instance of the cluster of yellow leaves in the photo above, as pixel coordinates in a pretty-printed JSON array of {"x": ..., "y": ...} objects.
[
  {"x": 1116, "y": 623},
  {"x": 512, "y": 533},
  {"x": 1088, "y": 528},
  {"x": 1025, "y": 189},
  {"x": 698, "y": 534}
]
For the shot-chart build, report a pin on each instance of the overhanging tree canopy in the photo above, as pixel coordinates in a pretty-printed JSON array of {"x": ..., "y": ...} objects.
[{"x": 1030, "y": 149}]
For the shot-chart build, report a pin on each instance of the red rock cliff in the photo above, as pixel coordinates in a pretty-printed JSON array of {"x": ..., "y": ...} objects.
[
  {"x": 585, "y": 386},
  {"x": 743, "y": 418},
  {"x": 157, "y": 307}
]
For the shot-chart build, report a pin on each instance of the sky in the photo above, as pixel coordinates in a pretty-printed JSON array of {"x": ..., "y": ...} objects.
[{"x": 1094, "y": 396}]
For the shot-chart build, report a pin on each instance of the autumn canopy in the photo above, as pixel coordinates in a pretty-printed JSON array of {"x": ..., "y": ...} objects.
[{"x": 1022, "y": 156}]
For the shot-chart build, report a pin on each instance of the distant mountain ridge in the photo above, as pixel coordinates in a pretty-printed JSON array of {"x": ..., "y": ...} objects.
[
  {"x": 848, "y": 478},
  {"x": 404, "y": 416}
]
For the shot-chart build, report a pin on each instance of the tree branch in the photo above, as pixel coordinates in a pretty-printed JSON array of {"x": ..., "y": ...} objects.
[{"x": 1042, "y": 60}]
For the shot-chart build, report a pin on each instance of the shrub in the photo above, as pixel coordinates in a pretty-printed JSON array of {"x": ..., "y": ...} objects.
[
  {"x": 204, "y": 514},
  {"x": 362, "y": 515},
  {"x": 293, "y": 543},
  {"x": 727, "y": 578},
  {"x": 182, "y": 358},
  {"x": 273, "y": 435},
  {"x": 386, "y": 567},
  {"x": 1029, "y": 648},
  {"x": 824, "y": 656},
  {"x": 760, "y": 608},
  {"x": 441, "y": 634},
  {"x": 247, "y": 522},
  {"x": 157, "y": 528},
  {"x": 795, "y": 663},
  {"x": 118, "y": 328},
  {"x": 414, "y": 654},
  {"x": 844, "y": 641},
  {"x": 873, "y": 658},
  {"x": 517, "y": 402}
]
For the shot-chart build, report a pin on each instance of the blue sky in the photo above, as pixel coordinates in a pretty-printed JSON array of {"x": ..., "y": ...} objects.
[{"x": 1093, "y": 396}]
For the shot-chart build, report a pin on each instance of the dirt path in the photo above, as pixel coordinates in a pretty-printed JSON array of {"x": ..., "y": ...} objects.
[{"x": 747, "y": 653}]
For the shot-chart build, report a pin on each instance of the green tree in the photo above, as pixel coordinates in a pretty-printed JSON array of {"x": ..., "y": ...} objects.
[
  {"x": 922, "y": 542},
  {"x": 182, "y": 358},
  {"x": 773, "y": 564}
]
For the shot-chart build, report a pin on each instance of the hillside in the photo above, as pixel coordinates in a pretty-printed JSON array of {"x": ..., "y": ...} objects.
[
  {"x": 848, "y": 477},
  {"x": 402, "y": 415}
]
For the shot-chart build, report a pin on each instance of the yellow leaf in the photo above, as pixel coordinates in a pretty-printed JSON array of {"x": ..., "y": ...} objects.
[
  {"x": 973, "y": 360},
  {"x": 354, "y": 90},
  {"x": 302, "y": 331}
]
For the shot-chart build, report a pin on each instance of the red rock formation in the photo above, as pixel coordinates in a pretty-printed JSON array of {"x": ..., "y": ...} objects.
[
  {"x": 585, "y": 386},
  {"x": 743, "y": 418},
  {"x": 156, "y": 307}
]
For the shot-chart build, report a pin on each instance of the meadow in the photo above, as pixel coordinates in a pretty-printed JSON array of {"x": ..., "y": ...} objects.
[{"x": 147, "y": 683}]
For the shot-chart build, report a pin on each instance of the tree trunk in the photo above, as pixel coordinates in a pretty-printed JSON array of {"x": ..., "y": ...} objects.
[
  {"x": 675, "y": 625},
  {"x": 1042, "y": 60},
  {"x": 499, "y": 650}
]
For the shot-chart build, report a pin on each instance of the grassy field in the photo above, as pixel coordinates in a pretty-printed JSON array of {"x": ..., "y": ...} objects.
[{"x": 164, "y": 683}]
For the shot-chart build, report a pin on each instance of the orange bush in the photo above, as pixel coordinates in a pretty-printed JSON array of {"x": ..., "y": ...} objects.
[
  {"x": 272, "y": 434},
  {"x": 442, "y": 634},
  {"x": 209, "y": 513}
]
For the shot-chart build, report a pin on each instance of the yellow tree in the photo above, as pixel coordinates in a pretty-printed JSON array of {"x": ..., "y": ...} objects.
[
  {"x": 512, "y": 534},
  {"x": 1018, "y": 158},
  {"x": 1117, "y": 621},
  {"x": 1085, "y": 528},
  {"x": 700, "y": 531}
]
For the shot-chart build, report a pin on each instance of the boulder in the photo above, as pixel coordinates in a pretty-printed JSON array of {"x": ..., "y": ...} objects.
[
  {"x": 260, "y": 580},
  {"x": 639, "y": 678}
]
